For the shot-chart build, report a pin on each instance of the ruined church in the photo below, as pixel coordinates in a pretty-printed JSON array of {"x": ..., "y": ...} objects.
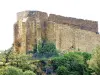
[{"x": 65, "y": 32}]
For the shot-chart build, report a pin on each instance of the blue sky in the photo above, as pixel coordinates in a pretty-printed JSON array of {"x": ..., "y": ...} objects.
[{"x": 85, "y": 9}]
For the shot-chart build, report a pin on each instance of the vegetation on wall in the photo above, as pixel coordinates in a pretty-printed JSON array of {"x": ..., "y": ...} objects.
[{"x": 45, "y": 49}]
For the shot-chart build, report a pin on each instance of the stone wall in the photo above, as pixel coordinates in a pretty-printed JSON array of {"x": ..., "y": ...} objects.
[
  {"x": 79, "y": 23},
  {"x": 86, "y": 41},
  {"x": 67, "y": 33},
  {"x": 68, "y": 38},
  {"x": 61, "y": 35},
  {"x": 29, "y": 30}
]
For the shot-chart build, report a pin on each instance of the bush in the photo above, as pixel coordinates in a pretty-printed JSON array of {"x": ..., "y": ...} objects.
[
  {"x": 13, "y": 71},
  {"x": 2, "y": 70},
  {"x": 16, "y": 71},
  {"x": 29, "y": 73},
  {"x": 77, "y": 56},
  {"x": 74, "y": 62},
  {"x": 87, "y": 57},
  {"x": 21, "y": 60},
  {"x": 74, "y": 73},
  {"x": 94, "y": 63},
  {"x": 46, "y": 49},
  {"x": 62, "y": 70}
]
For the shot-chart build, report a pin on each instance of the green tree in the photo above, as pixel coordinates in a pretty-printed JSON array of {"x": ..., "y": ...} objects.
[
  {"x": 2, "y": 70},
  {"x": 46, "y": 49},
  {"x": 10, "y": 70},
  {"x": 13, "y": 71},
  {"x": 6, "y": 54},
  {"x": 22, "y": 61},
  {"x": 74, "y": 62},
  {"x": 62, "y": 70},
  {"x": 29, "y": 73},
  {"x": 94, "y": 63}
]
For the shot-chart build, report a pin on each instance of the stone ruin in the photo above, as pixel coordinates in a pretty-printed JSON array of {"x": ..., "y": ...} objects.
[{"x": 65, "y": 32}]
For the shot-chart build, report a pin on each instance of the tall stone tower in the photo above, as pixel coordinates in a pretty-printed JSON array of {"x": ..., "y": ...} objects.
[
  {"x": 29, "y": 30},
  {"x": 65, "y": 32}
]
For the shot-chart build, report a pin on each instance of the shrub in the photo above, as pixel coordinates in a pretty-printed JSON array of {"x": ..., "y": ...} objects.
[
  {"x": 29, "y": 73},
  {"x": 74, "y": 73},
  {"x": 21, "y": 60},
  {"x": 62, "y": 70},
  {"x": 87, "y": 56},
  {"x": 77, "y": 56},
  {"x": 46, "y": 49},
  {"x": 2, "y": 70},
  {"x": 13, "y": 71},
  {"x": 74, "y": 62},
  {"x": 94, "y": 63}
]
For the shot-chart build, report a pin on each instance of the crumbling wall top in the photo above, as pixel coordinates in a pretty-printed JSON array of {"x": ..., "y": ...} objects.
[
  {"x": 70, "y": 20},
  {"x": 35, "y": 14},
  {"x": 80, "y": 23},
  {"x": 83, "y": 24}
]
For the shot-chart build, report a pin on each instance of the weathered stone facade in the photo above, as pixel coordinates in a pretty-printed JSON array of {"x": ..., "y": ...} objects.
[{"x": 66, "y": 32}]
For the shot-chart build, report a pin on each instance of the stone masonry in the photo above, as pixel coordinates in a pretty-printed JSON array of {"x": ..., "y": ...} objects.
[{"x": 65, "y": 32}]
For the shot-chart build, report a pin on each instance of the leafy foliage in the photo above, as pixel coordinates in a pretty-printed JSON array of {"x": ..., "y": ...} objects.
[
  {"x": 13, "y": 71},
  {"x": 10, "y": 70},
  {"x": 71, "y": 63},
  {"x": 2, "y": 70},
  {"x": 95, "y": 61},
  {"x": 29, "y": 73},
  {"x": 62, "y": 70},
  {"x": 74, "y": 62},
  {"x": 22, "y": 61},
  {"x": 46, "y": 49},
  {"x": 4, "y": 56}
]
